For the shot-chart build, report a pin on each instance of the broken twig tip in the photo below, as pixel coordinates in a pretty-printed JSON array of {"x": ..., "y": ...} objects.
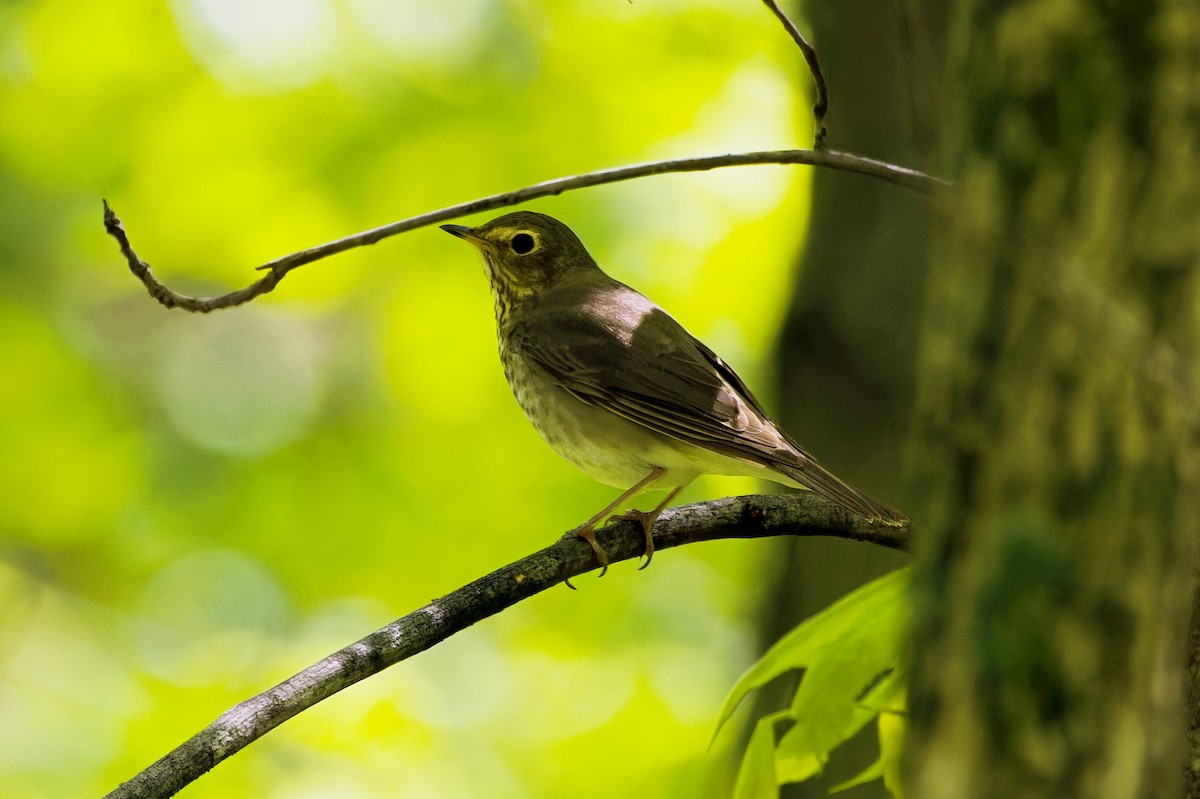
[{"x": 111, "y": 222}]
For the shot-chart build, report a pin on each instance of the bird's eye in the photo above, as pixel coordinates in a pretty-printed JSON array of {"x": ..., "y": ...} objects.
[{"x": 522, "y": 244}]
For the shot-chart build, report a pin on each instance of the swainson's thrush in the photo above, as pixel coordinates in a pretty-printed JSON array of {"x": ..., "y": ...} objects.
[{"x": 619, "y": 388}]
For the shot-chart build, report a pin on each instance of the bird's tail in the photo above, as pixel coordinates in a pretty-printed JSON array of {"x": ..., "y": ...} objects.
[{"x": 815, "y": 477}]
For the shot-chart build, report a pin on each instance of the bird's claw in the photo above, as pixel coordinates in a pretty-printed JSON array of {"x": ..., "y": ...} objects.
[
  {"x": 588, "y": 534},
  {"x": 646, "y": 519}
]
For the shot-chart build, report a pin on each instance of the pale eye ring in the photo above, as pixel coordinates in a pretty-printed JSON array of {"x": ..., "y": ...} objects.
[{"x": 522, "y": 244}]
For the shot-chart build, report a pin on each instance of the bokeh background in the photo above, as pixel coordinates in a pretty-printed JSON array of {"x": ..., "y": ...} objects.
[{"x": 193, "y": 508}]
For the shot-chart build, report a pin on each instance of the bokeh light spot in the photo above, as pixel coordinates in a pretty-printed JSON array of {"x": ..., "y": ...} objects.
[
  {"x": 242, "y": 383},
  {"x": 206, "y": 616}
]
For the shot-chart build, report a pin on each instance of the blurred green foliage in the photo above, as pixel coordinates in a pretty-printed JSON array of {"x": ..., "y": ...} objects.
[{"x": 193, "y": 508}]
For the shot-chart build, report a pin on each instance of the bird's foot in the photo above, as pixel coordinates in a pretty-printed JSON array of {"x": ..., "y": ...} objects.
[
  {"x": 588, "y": 533},
  {"x": 646, "y": 518}
]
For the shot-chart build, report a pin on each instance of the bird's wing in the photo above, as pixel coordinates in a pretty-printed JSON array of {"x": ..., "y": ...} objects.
[{"x": 617, "y": 350}]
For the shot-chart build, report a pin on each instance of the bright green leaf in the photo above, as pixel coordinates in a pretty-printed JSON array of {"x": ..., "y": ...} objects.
[
  {"x": 887, "y": 699},
  {"x": 756, "y": 778},
  {"x": 832, "y": 637},
  {"x": 794, "y": 766},
  {"x": 888, "y": 695},
  {"x": 828, "y": 705},
  {"x": 891, "y": 747}
]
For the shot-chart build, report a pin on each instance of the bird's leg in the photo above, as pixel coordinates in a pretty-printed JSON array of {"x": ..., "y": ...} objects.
[
  {"x": 648, "y": 518},
  {"x": 588, "y": 531}
]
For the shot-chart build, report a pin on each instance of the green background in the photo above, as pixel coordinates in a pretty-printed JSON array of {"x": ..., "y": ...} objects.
[{"x": 193, "y": 508}]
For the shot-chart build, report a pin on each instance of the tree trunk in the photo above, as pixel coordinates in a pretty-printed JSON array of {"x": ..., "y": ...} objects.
[
  {"x": 846, "y": 358},
  {"x": 1058, "y": 441}
]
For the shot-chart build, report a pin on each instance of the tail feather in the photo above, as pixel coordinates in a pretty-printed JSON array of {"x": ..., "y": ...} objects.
[{"x": 817, "y": 478}]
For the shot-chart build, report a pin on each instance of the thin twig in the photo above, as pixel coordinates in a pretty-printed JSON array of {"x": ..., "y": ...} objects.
[
  {"x": 821, "y": 104},
  {"x": 802, "y": 514},
  {"x": 277, "y": 269}
]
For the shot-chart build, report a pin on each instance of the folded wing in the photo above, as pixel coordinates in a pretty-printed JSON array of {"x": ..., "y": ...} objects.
[{"x": 625, "y": 354}]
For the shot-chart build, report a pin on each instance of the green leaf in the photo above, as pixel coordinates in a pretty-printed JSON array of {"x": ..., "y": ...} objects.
[
  {"x": 886, "y": 699},
  {"x": 871, "y": 772},
  {"x": 828, "y": 706},
  {"x": 891, "y": 747},
  {"x": 889, "y": 694},
  {"x": 756, "y": 777},
  {"x": 834, "y": 639},
  {"x": 791, "y": 766}
]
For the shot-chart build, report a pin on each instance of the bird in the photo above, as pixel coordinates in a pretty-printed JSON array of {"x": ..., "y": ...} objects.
[{"x": 617, "y": 386}]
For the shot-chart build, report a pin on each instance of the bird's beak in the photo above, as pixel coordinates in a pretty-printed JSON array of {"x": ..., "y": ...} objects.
[{"x": 464, "y": 232}]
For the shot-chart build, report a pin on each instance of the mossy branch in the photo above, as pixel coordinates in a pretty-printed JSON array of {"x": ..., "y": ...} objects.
[{"x": 800, "y": 514}]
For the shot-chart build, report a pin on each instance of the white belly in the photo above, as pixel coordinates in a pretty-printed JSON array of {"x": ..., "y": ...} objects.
[{"x": 608, "y": 448}]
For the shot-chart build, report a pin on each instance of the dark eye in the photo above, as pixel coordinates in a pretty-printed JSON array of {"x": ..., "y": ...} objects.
[{"x": 522, "y": 244}]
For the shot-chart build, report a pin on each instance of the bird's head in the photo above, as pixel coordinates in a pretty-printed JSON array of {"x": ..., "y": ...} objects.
[{"x": 524, "y": 252}]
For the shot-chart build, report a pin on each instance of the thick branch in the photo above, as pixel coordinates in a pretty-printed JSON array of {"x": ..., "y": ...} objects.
[
  {"x": 821, "y": 103},
  {"x": 801, "y": 514},
  {"x": 277, "y": 269}
]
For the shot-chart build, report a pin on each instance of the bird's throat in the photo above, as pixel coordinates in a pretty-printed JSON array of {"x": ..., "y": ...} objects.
[{"x": 506, "y": 294}]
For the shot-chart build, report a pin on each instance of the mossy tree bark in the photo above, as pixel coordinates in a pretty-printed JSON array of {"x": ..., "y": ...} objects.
[{"x": 1058, "y": 441}]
